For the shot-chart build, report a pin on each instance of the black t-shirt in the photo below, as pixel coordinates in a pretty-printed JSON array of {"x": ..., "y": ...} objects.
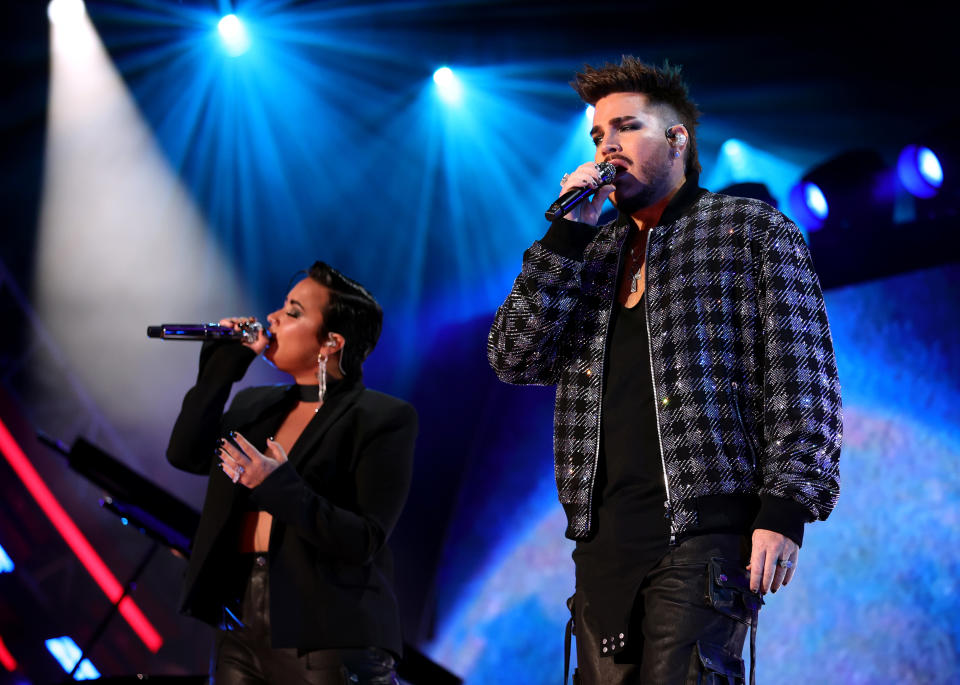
[{"x": 631, "y": 530}]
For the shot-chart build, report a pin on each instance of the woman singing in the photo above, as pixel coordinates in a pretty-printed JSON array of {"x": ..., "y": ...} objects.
[{"x": 306, "y": 482}]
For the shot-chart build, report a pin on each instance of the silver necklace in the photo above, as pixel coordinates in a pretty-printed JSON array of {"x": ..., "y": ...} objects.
[{"x": 635, "y": 283}]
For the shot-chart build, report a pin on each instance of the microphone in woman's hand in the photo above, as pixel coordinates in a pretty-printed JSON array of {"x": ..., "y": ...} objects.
[{"x": 248, "y": 333}]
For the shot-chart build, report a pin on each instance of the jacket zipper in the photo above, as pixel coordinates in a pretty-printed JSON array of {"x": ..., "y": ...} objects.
[{"x": 668, "y": 505}]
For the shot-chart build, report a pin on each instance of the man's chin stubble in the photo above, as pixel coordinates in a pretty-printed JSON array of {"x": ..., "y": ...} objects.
[{"x": 641, "y": 199}]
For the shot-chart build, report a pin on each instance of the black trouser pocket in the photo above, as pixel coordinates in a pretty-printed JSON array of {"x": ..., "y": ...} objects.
[
  {"x": 712, "y": 665},
  {"x": 728, "y": 591}
]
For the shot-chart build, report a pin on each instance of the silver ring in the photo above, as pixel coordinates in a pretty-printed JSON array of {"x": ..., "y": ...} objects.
[
  {"x": 564, "y": 179},
  {"x": 785, "y": 563},
  {"x": 240, "y": 469}
]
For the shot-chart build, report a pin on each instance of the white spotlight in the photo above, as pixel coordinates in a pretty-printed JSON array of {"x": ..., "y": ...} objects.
[
  {"x": 448, "y": 85},
  {"x": 65, "y": 12},
  {"x": 234, "y": 35},
  {"x": 588, "y": 112}
]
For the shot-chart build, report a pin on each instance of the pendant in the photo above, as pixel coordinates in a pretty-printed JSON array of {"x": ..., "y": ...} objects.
[{"x": 633, "y": 283}]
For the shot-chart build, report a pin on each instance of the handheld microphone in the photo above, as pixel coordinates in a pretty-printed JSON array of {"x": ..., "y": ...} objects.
[
  {"x": 248, "y": 333},
  {"x": 575, "y": 196}
]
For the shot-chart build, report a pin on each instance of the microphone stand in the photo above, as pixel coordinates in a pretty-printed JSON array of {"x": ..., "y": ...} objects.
[
  {"x": 130, "y": 585},
  {"x": 157, "y": 514}
]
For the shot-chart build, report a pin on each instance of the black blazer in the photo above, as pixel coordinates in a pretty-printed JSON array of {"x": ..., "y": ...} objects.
[{"x": 334, "y": 504}]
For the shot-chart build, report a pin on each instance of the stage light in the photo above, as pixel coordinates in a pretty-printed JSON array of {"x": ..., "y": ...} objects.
[
  {"x": 65, "y": 12},
  {"x": 854, "y": 189},
  {"x": 808, "y": 205},
  {"x": 589, "y": 113},
  {"x": 920, "y": 171},
  {"x": 71, "y": 28},
  {"x": 448, "y": 85},
  {"x": 930, "y": 167},
  {"x": 234, "y": 35},
  {"x": 744, "y": 170},
  {"x": 6, "y": 563},
  {"x": 816, "y": 200},
  {"x": 66, "y": 652}
]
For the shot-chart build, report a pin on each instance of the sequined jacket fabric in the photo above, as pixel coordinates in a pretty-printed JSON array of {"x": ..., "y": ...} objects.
[{"x": 748, "y": 398}]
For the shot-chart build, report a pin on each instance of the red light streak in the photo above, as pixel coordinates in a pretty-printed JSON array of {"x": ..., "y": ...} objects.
[
  {"x": 6, "y": 658},
  {"x": 76, "y": 541}
]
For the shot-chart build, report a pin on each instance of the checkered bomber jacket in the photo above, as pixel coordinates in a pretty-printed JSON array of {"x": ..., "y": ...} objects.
[{"x": 744, "y": 374}]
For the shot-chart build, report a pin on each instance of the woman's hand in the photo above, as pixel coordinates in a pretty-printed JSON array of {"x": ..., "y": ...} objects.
[
  {"x": 245, "y": 464},
  {"x": 237, "y": 323}
]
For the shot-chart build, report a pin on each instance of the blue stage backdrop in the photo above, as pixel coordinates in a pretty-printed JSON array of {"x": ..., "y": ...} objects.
[{"x": 875, "y": 598}]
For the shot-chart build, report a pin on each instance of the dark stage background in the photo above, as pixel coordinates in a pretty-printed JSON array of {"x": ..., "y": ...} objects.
[{"x": 148, "y": 176}]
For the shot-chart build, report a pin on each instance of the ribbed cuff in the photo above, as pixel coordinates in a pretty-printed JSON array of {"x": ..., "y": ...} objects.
[
  {"x": 568, "y": 238},
  {"x": 782, "y": 515}
]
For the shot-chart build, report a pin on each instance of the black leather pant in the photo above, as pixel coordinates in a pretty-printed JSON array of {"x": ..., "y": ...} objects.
[
  {"x": 672, "y": 625},
  {"x": 243, "y": 656}
]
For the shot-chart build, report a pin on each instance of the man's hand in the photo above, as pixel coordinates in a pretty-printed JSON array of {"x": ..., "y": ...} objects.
[
  {"x": 586, "y": 176},
  {"x": 766, "y": 573}
]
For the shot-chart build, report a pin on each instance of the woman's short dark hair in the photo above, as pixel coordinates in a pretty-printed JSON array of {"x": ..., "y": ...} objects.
[
  {"x": 662, "y": 85},
  {"x": 353, "y": 313}
]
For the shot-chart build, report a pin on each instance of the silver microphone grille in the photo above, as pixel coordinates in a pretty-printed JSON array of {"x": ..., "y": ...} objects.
[{"x": 607, "y": 172}]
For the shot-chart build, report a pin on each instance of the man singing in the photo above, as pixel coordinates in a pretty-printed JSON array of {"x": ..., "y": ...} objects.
[{"x": 697, "y": 424}]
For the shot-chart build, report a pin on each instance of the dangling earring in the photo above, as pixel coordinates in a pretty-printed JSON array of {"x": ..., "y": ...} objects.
[
  {"x": 321, "y": 377},
  {"x": 340, "y": 360}
]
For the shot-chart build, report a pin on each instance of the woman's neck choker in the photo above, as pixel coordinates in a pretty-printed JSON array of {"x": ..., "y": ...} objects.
[{"x": 308, "y": 393}]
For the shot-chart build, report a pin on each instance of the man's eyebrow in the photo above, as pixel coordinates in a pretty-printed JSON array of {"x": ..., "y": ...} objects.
[{"x": 613, "y": 122}]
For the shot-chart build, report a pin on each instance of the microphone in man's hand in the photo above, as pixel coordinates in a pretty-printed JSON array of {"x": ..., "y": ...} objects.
[
  {"x": 248, "y": 333},
  {"x": 575, "y": 196}
]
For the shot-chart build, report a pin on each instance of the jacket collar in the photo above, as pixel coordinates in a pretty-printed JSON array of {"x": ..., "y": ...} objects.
[{"x": 683, "y": 201}]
